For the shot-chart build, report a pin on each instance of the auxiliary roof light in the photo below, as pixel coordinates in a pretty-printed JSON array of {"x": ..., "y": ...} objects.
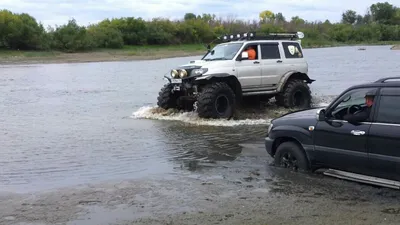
[
  {"x": 300, "y": 34},
  {"x": 237, "y": 36}
]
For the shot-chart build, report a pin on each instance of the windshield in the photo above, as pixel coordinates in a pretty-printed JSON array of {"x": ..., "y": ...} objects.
[{"x": 223, "y": 52}]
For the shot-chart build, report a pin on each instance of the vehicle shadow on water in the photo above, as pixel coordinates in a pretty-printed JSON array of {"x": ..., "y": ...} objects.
[{"x": 197, "y": 147}]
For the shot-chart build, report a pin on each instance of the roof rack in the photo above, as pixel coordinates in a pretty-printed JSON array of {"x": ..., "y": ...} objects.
[
  {"x": 385, "y": 79},
  {"x": 271, "y": 36}
]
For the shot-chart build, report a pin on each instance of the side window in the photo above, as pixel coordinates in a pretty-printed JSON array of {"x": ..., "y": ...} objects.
[
  {"x": 389, "y": 105},
  {"x": 354, "y": 98},
  {"x": 251, "y": 48},
  {"x": 292, "y": 50},
  {"x": 270, "y": 51}
]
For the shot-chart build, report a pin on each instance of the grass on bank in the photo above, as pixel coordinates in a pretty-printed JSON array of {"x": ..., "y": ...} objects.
[
  {"x": 153, "y": 50},
  {"x": 143, "y": 52}
]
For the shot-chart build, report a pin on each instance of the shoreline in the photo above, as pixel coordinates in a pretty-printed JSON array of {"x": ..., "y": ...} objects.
[
  {"x": 128, "y": 53},
  {"x": 395, "y": 47},
  {"x": 89, "y": 57}
]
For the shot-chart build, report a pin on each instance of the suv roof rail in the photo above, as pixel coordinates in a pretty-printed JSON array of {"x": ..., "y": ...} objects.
[
  {"x": 271, "y": 36},
  {"x": 382, "y": 80}
]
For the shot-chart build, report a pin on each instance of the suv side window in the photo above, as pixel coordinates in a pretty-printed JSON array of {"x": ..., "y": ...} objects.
[
  {"x": 270, "y": 51},
  {"x": 389, "y": 105},
  {"x": 292, "y": 50},
  {"x": 353, "y": 97}
]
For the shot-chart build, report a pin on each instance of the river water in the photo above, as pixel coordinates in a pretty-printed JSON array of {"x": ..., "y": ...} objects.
[{"x": 70, "y": 124}]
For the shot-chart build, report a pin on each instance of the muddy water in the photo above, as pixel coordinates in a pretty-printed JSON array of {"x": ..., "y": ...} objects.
[{"x": 69, "y": 124}]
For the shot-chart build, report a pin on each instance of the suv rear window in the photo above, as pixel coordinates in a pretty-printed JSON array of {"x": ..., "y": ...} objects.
[
  {"x": 292, "y": 50},
  {"x": 388, "y": 109}
]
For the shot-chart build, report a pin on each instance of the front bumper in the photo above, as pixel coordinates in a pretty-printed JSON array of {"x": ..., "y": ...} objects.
[{"x": 269, "y": 144}]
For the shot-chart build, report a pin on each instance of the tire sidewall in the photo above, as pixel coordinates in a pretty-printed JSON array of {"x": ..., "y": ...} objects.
[
  {"x": 296, "y": 151},
  {"x": 207, "y": 101},
  {"x": 229, "y": 109},
  {"x": 166, "y": 99},
  {"x": 295, "y": 87}
]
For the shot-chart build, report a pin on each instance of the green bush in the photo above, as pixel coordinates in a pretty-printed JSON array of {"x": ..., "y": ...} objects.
[{"x": 22, "y": 31}]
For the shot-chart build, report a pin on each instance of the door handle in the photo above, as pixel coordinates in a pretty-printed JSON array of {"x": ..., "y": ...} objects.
[
  {"x": 256, "y": 62},
  {"x": 279, "y": 61},
  {"x": 357, "y": 132}
]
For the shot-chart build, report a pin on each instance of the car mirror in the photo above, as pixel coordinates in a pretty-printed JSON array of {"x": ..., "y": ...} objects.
[
  {"x": 245, "y": 55},
  {"x": 321, "y": 116}
]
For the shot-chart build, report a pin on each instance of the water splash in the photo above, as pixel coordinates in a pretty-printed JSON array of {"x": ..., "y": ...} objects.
[
  {"x": 256, "y": 114},
  {"x": 152, "y": 112}
]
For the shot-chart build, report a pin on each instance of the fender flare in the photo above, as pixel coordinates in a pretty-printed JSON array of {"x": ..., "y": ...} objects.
[
  {"x": 233, "y": 81},
  {"x": 300, "y": 135},
  {"x": 210, "y": 76},
  {"x": 293, "y": 74}
]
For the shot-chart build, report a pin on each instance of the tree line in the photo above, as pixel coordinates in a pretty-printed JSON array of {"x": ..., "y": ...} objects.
[{"x": 381, "y": 22}]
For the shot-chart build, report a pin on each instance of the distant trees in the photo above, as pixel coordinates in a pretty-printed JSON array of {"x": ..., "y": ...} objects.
[{"x": 381, "y": 22}]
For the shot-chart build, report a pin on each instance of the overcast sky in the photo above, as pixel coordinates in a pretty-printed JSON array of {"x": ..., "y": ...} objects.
[{"x": 51, "y": 12}]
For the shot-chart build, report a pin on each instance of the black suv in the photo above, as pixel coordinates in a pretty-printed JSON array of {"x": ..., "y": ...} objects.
[{"x": 351, "y": 146}]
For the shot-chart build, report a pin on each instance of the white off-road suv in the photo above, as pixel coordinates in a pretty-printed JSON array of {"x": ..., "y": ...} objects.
[{"x": 215, "y": 84}]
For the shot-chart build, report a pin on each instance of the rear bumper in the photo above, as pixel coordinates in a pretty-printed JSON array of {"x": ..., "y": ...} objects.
[{"x": 268, "y": 145}]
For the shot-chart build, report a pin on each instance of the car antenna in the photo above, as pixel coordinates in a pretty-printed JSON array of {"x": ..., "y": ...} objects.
[{"x": 208, "y": 46}]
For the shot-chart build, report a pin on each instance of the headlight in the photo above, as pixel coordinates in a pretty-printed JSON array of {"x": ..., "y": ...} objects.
[
  {"x": 182, "y": 73},
  {"x": 174, "y": 73},
  {"x": 270, "y": 128},
  {"x": 200, "y": 71}
]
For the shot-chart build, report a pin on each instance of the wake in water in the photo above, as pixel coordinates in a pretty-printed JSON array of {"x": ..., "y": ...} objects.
[
  {"x": 153, "y": 112},
  {"x": 258, "y": 113}
]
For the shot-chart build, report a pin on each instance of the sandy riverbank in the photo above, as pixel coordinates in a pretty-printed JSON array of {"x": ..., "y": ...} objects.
[
  {"x": 395, "y": 47},
  {"x": 92, "y": 57}
]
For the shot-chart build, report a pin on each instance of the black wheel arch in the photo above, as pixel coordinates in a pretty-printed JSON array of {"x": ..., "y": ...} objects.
[
  {"x": 231, "y": 80},
  {"x": 297, "y": 135},
  {"x": 293, "y": 75}
]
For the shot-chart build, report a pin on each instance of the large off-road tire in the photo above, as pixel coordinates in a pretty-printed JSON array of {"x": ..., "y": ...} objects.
[
  {"x": 296, "y": 94},
  {"x": 291, "y": 155},
  {"x": 166, "y": 98},
  {"x": 216, "y": 100}
]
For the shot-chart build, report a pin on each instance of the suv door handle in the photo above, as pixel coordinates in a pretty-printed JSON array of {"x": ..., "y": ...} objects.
[
  {"x": 279, "y": 61},
  {"x": 357, "y": 132},
  {"x": 256, "y": 62}
]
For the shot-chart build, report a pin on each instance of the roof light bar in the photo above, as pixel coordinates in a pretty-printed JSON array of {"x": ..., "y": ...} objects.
[{"x": 270, "y": 36}]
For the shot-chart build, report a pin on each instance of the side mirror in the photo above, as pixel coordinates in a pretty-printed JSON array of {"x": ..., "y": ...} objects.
[
  {"x": 245, "y": 55},
  {"x": 321, "y": 116}
]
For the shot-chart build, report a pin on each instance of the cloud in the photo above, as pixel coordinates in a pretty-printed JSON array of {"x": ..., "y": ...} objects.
[{"x": 52, "y": 12}]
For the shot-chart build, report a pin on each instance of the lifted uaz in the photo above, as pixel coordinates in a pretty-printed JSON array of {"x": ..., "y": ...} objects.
[{"x": 216, "y": 84}]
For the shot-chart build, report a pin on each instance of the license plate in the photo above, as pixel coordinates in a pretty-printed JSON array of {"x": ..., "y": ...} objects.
[{"x": 176, "y": 81}]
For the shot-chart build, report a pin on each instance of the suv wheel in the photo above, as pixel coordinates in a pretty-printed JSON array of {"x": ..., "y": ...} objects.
[
  {"x": 216, "y": 100},
  {"x": 295, "y": 94},
  {"x": 290, "y": 155},
  {"x": 166, "y": 98}
]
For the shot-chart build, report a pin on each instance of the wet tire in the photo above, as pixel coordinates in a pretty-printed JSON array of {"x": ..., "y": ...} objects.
[
  {"x": 295, "y": 94},
  {"x": 166, "y": 98},
  {"x": 217, "y": 100},
  {"x": 290, "y": 155}
]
